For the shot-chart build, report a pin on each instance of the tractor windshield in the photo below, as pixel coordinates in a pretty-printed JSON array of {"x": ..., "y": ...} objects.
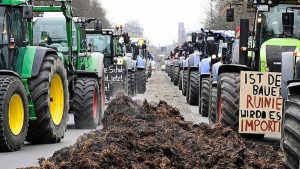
[
  {"x": 3, "y": 25},
  {"x": 100, "y": 43},
  {"x": 272, "y": 23},
  {"x": 51, "y": 32}
]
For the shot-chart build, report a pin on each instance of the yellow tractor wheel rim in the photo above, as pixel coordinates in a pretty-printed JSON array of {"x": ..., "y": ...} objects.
[
  {"x": 16, "y": 114},
  {"x": 56, "y": 99}
]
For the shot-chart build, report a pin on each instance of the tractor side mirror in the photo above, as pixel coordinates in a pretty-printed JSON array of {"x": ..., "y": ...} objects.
[
  {"x": 230, "y": 15},
  {"x": 194, "y": 37},
  {"x": 288, "y": 23},
  {"x": 27, "y": 12}
]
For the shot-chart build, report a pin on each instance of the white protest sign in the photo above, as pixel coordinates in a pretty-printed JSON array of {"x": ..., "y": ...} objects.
[{"x": 260, "y": 102}]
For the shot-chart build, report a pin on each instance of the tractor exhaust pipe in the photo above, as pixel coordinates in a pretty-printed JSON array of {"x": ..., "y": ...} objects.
[{"x": 243, "y": 56}]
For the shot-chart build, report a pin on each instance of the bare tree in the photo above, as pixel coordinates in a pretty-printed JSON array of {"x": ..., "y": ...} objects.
[{"x": 83, "y": 8}]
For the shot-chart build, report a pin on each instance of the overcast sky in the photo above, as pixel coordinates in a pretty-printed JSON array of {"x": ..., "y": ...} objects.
[{"x": 159, "y": 18}]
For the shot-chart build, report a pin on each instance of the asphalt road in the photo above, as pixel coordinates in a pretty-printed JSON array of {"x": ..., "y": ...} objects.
[
  {"x": 29, "y": 154},
  {"x": 159, "y": 87}
]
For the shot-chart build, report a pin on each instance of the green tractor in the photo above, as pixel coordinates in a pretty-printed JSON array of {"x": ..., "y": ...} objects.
[
  {"x": 34, "y": 97},
  {"x": 250, "y": 93},
  {"x": 84, "y": 68},
  {"x": 119, "y": 74}
]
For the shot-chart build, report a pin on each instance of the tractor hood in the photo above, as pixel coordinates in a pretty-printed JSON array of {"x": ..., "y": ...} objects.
[{"x": 271, "y": 53}]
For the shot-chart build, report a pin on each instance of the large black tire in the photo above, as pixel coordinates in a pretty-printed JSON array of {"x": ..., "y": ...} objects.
[
  {"x": 130, "y": 86},
  {"x": 228, "y": 100},
  {"x": 12, "y": 87},
  {"x": 141, "y": 75},
  {"x": 212, "y": 115},
  {"x": 176, "y": 76},
  {"x": 134, "y": 83},
  {"x": 44, "y": 129},
  {"x": 172, "y": 73},
  {"x": 102, "y": 101},
  {"x": 204, "y": 96},
  {"x": 180, "y": 80},
  {"x": 184, "y": 82},
  {"x": 86, "y": 104},
  {"x": 193, "y": 88},
  {"x": 291, "y": 136}
]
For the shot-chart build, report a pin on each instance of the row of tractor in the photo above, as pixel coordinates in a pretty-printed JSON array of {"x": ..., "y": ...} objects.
[
  {"x": 249, "y": 82},
  {"x": 54, "y": 65}
]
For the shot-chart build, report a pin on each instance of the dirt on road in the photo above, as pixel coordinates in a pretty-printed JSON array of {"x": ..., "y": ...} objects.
[{"x": 157, "y": 136}]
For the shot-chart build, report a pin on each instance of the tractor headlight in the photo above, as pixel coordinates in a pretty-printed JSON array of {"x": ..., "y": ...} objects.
[
  {"x": 219, "y": 55},
  {"x": 83, "y": 20},
  {"x": 79, "y": 20},
  {"x": 213, "y": 56}
]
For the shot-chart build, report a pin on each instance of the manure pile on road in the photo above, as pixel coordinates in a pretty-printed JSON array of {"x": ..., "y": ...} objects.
[{"x": 156, "y": 136}]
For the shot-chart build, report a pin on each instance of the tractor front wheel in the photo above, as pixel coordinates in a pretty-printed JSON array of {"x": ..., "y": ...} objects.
[
  {"x": 14, "y": 113},
  {"x": 212, "y": 105},
  {"x": 184, "y": 82},
  {"x": 87, "y": 103},
  {"x": 204, "y": 96},
  {"x": 193, "y": 88},
  {"x": 180, "y": 80},
  {"x": 176, "y": 76},
  {"x": 50, "y": 96}
]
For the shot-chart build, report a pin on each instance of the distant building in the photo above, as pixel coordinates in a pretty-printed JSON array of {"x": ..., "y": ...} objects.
[{"x": 181, "y": 32}]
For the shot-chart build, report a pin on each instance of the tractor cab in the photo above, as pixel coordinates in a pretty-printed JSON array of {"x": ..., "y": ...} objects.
[
  {"x": 14, "y": 36},
  {"x": 103, "y": 42}
]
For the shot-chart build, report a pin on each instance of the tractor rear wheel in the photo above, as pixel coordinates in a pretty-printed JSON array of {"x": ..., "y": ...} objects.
[
  {"x": 193, "y": 88},
  {"x": 228, "y": 100},
  {"x": 133, "y": 83},
  {"x": 102, "y": 101},
  {"x": 176, "y": 76},
  {"x": 129, "y": 84},
  {"x": 50, "y": 96},
  {"x": 172, "y": 73},
  {"x": 86, "y": 105},
  {"x": 184, "y": 82},
  {"x": 204, "y": 97},
  {"x": 180, "y": 80},
  {"x": 291, "y": 136},
  {"x": 212, "y": 105},
  {"x": 141, "y": 75},
  {"x": 14, "y": 113}
]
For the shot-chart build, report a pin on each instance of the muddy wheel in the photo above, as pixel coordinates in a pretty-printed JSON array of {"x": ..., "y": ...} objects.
[
  {"x": 172, "y": 73},
  {"x": 14, "y": 113},
  {"x": 176, "y": 76},
  {"x": 204, "y": 97},
  {"x": 184, "y": 82},
  {"x": 193, "y": 88},
  {"x": 228, "y": 100},
  {"x": 50, "y": 96},
  {"x": 141, "y": 75},
  {"x": 102, "y": 101},
  {"x": 180, "y": 80},
  {"x": 86, "y": 103},
  {"x": 212, "y": 105},
  {"x": 130, "y": 86},
  {"x": 291, "y": 136},
  {"x": 134, "y": 83}
]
